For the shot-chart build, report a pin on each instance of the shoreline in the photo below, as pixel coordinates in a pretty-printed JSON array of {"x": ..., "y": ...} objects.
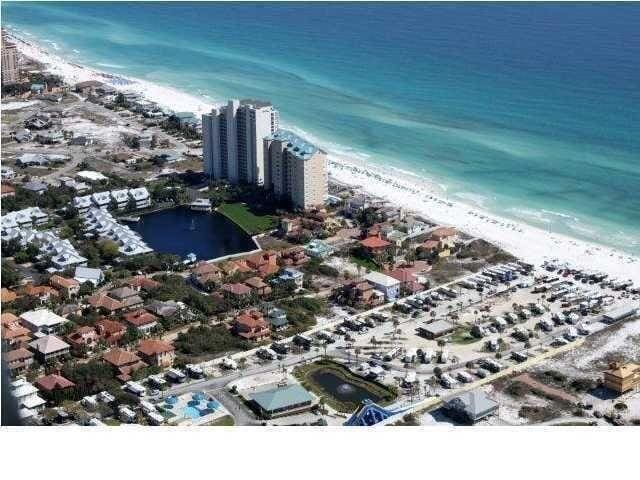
[{"x": 417, "y": 194}]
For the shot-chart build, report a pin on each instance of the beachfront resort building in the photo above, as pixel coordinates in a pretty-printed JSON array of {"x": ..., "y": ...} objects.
[
  {"x": 232, "y": 140},
  {"x": 295, "y": 169},
  {"x": 10, "y": 72}
]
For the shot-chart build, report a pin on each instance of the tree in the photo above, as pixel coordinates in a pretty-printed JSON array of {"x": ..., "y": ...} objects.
[
  {"x": 86, "y": 288},
  {"x": 109, "y": 249},
  {"x": 437, "y": 372},
  {"x": 10, "y": 275}
]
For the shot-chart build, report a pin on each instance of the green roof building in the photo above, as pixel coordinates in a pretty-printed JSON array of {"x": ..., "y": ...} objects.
[{"x": 282, "y": 401}]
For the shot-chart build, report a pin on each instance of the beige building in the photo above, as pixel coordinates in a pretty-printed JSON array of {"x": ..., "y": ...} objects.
[
  {"x": 232, "y": 140},
  {"x": 622, "y": 378},
  {"x": 295, "y": 169},
  {"x": 10, "y": 72}
]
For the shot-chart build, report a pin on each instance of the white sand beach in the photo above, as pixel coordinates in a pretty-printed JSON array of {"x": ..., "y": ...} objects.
[{"x": 530, "y": 243}]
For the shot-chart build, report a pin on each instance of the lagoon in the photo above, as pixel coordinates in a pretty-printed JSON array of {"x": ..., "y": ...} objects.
[{"x": 182, "y": 231}]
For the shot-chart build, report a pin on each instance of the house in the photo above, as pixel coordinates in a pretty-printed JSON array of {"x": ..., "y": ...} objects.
[
  {"x": 36, "y": 187},
  {"x": 49, "y": 348},
  {"x": 164, "y": 309},
  {"x": 110, "y": 331},
  {"x": 68, "y": 287},
  {"x": 205, "y": 272},
  {"x": 471, "y": 407},
  {"x": 141, "y": 197},
  {"x": 127, "y": 296},
  {"x": 120, "y": 198},
  {"x": 318, "y": 249},
  {"x": 41, "y": 292},
  {"x": 49, "y": 137},
  {"x": 282, "y": 401},
  {"x": 82, "y": 204},
  {"x": 42, "y": 320},
  {"x": 105, "y": 302},
  {"x": 52, "y": 383},
  {"x": 236, "y": 290},
  {"x": 142, "y": 320},
  {"x": 374, "y": 245},
  {"x": 446, "y": 236},
  {"x": 235, "y": 266},
  {"x": 436, "y": 329},
  {"x": 140, "y": 282},
  {"x": 251, "y": 325},
  {"x": 80, "y": 141},
  {"x": 83, "y": 338},
  {"x": 292, "y": 275},
  {"x": 360, "y": 294},
  {"x": 8, "y": 191},
  {"x": 294, "y": 257},
  {"x": 27, "y": 398},
  {"x": 389, "y": 286},
  {"x": 277, "y": 319},
  {"x": 13, "y": 333},
  {"x": 101, "y": 199},
  {"x": 157, "y": 352},
  {"x": 622, "y": 378},
  {"x": 262, "y": 259},
  {"x": 23, "y": 135},
  {"x": 85, "y": 274},
  {"x": 7, "y": 296},
  {"x": 18, "y": 360},
  {"x": 88, "y": 88},
  {"x": 92, "y": 176},
  {"x": 258, "y": 286},
  {"x": 69, "y": 309},
  {"x": 123, "y": 362}
]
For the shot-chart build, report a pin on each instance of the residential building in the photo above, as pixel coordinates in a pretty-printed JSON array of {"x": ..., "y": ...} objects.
[
  {"x": 123, "y": 362},
  {"x": 258, "y": 286},
  {"x": 277, "y": 319},
  {"x": 120, "y": 198},
  {"x": 8, "y": 191},
  {"x": 42, "y": 320},
  {"x": 294, "y": 257},
  {"x": 205, "y": 272},
  {"x": 27, "y": 398},
  {"x": 157, "y": 352},
  {"x": 251, "y": 325},
  {"x": 622, "y": 378},
  {"x": 53, "y": 383},
  {"x": 164, "y": 309},
  {"x": 104, "y": 302},
  {"x": 374, "y": 245},
  {"x": 127, "y": 296},
  {"x": 142, "y": 320},
  {"x": 292, "y": 275},
  {"x": 359, "y": 294},
  {"x": 18, "y": 360},
  {"x": 141, "y": 197},
  {"x": 236, "y": 290},
  {"x": 85, "y": 274},
  {"x": 318, "y": 249},
  {"x": 68, "y": 287},
  {"x": 44, "y": 293},
  {"x": 83, "y": 338},
  {"x": 296, "y": 169},
  {"x": 281, "y": 401},
  {"x": 232, "y": 135},
  {"x": 471, "y": 407},
  {"x": 140, "y": 282},
  {"x": 436, "y": 329},
  {"x": 49, "y": 348},
  {"x": 388, "y": 286},
  {"x": 13, "y": 333},
  {"x": 10, "y": 69},
  {"x": 35, "y": 187},
  {"x": 110, "y": 331},
  {"x": 7, "y": 296}
]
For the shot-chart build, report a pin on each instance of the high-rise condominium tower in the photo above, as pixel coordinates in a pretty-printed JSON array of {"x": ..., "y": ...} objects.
[
  {"x": 10, "y": 73},
  {"x": 295, "y": 169},
  {"x": 233, "y": 140}
]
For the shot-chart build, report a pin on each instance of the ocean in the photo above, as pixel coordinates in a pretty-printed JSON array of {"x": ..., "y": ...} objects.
[{"x": 529, "y": 111}]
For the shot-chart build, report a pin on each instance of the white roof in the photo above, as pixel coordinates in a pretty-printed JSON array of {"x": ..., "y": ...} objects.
[
  {"x": 42, "y": 318},
  {"x": 49, "y": 344},
  {"x": 91, "y": 175},
  {"x": 88, "y": 273},
  {"x": 381, "y": 279}
]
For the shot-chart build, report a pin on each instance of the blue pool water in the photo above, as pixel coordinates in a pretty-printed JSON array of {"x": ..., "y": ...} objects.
[
  {"x": 191, "y": 412},
  {"x": 532, "y": 111}
]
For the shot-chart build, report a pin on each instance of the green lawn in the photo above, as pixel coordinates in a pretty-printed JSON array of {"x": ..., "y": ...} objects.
[
  {"x": 226, "y": 421},
  {"x": 251, "y": 223},
  {"x": 462, "y": 336},
  {"x": 366, "y": 263}
]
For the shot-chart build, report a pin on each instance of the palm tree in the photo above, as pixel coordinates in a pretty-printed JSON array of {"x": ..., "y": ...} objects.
[{"x": 357, "y": 352}]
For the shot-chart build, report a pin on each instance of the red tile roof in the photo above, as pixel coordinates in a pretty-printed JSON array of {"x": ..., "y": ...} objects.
[
  {"x": 374, "y": 242},
  {"x": 251, "y": 319},
  {"x": 8, "y": 318},
  {"x": 62, "y": 282},
  {"x": 110, "y": 327},
  {"x": 443, "y": 232},
  {"x": 236, "y": 288},
  {"x": 102, "y": 300},
  {"x": 53, "y": 382},
  {"x": 119, "y": 357},
  {"x": 139, "y": 318},
  {"x": 154, "y": 347},
  {"x": 17, "y": 354},
  {"x": 8, "y": 295},
  {"x": 142, "y": 282}
]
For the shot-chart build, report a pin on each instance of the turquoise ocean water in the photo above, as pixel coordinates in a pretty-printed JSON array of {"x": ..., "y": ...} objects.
[{"x": 532, "y": 111}]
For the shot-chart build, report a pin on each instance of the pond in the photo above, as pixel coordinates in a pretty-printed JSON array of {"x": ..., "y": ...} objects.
[
  {"x": 341, "y": 389},
  {"x": 182, "y": 231}
]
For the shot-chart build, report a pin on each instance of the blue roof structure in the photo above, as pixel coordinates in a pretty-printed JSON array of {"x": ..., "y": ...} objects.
[
  {"x": 282, "y": 397},
  {"x": 369, "y": 413},
  {"x": 298, "y": 146}
]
